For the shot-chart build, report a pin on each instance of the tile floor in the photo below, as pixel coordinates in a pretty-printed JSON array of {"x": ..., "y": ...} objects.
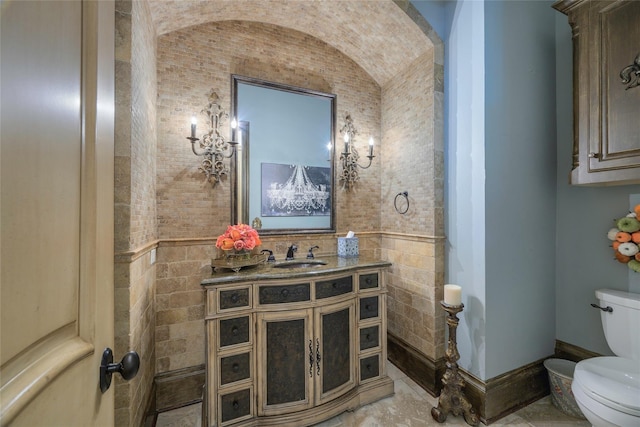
[{"x": 410, "y": 406}]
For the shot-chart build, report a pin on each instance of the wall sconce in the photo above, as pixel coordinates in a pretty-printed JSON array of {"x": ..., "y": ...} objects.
[
  {"x": 349, "y": 157},
  {"x": 213, "y": 146}
]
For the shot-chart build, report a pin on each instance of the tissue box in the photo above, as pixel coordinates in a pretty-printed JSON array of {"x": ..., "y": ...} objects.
[{"x": 348, "y": 246}]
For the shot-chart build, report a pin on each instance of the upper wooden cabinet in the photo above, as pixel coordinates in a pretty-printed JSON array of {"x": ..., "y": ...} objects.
[{"x": 606, "y": 128}]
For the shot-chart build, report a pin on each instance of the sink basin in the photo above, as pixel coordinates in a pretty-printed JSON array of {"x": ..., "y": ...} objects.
[{"x": 309, "y": 263}]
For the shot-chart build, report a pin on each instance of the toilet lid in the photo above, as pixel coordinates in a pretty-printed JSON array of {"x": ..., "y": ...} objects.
[{"x": 613, "y": 381}]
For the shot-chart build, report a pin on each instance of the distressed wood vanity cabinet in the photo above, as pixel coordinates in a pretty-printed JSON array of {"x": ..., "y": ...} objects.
[
  {"x": 295, "y": 347},
  {"x": 606, "y": 125}
]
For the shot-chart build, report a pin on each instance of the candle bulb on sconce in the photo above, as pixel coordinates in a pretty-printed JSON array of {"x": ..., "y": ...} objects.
[
  {"x": 371, "y": 147},
  {"x": 193, "y": 126}
]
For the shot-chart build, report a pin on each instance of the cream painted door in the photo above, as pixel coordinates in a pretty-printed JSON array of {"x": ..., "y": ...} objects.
[{"x": 56, "y": 154}]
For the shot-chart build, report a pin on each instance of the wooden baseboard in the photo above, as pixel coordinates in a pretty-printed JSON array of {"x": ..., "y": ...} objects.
[
  {"x": 424, "y": 371},
  {"x": 179, "y": 388},
  {"x": 572, "y": 352},
  {"x": 491, "y": 399},
  {"x": 150, "y": 408},
  {"x": 502, "y": 395}
]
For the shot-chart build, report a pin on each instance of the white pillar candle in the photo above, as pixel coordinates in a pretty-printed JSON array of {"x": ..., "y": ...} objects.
[{"x": 452, "y": 294}]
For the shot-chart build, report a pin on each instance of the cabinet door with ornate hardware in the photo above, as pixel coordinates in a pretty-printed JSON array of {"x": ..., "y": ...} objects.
[
  {"x": 606, "y": 86},
  {"x": 335, "y": 350},
  {"x": 308, "y": 357},
  {"x": 287, "y": 361}
]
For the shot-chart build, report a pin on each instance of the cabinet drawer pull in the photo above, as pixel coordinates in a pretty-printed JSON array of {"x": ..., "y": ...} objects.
[
  {"x": 368, "y": 337},
  {"x": 234, "y": 330},
  {"x": 236, "y": 405},
  {"x": 593, "y": 155},
  {"x": 284, "y": 293},
  {"x": 234, "y": 298},
  {"x": 235, "y": 367},
  {"x": 334, "y": 285}
]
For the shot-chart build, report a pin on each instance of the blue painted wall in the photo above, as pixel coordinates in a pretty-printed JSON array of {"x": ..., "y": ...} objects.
[{"x": 528, "y": 249}]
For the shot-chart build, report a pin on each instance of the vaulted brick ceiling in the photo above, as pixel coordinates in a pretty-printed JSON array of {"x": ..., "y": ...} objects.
[{"x": 379, "y": 35}]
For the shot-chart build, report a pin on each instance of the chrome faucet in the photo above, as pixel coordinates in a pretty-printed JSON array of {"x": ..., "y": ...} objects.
[{"x": 290, "y": 252}]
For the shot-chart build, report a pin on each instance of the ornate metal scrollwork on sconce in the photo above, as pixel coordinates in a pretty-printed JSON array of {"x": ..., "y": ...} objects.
[
  {"x": 213, "y": 147},
  {"x": 349, "y": 157},
  {"x": 631, "y": 75}
]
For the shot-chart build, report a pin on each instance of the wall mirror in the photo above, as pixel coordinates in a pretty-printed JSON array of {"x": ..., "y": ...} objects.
[{"x": 282, "y": 175}]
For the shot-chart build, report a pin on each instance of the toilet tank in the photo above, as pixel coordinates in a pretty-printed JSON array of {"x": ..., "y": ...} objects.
[{"x": 622, "y": 325}]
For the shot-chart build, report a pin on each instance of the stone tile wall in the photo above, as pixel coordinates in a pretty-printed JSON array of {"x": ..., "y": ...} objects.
[
  {"x": 413, "y": 242},
  {"x": 405, "y": 118},
  {"x": 193, "y": 61},
  {"x": 189, "y": 209},
  {"x": 134, "y": 205}
]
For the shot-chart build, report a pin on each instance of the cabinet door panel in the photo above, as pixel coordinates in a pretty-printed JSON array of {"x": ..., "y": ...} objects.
[
  {"x": 619, "y": 133},
  {"x": 285, "y": 370},
  {"x": 336, "y": 355}
]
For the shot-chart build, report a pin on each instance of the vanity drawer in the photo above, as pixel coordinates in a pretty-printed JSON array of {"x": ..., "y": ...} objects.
[
  {"x": 280, "y": 294},
  {"x": 234, "y": 331},
  {"x": 369, "y": 307},
  {"x": 235, "y": 406},
  {"x": 368, "y": 281},
  {"x": 234, "y": 298},
  {"x": 235, "y": 368},
  {"x": 369, "y": 337},
  {"x": 369, "y": 367},
  {"x": 332, "y": 288}
]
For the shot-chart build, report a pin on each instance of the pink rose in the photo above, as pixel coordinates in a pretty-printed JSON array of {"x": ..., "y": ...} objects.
[{"x": 238, "y": 245}]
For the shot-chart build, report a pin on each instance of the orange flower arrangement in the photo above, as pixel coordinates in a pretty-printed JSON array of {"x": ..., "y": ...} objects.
[
  {"x": 238, "y": 238},
  {"x": 625, "y": 237}
]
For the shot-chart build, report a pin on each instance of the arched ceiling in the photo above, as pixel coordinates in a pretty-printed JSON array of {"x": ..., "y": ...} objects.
[{"x": 377, "y": 34}]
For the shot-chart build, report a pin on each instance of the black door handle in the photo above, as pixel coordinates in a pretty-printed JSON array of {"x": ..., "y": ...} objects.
[{"x": 127, "y": 367}]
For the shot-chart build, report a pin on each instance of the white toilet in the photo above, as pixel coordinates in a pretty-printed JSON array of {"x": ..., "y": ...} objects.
[{"x": 607, "y": 389}]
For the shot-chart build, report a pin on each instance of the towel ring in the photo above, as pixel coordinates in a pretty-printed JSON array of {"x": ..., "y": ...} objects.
[{"x": 405, "y": 194}]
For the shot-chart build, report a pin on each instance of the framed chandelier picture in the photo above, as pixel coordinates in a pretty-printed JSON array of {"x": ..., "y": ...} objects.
[{"x": 295, "y": 190}]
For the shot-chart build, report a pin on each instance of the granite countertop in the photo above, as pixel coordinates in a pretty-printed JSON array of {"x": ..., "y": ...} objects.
[{"x": 268, "y": 271}]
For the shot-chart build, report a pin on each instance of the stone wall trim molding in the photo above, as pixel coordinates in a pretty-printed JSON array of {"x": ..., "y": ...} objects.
[{"x": 127, "y": 257}]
